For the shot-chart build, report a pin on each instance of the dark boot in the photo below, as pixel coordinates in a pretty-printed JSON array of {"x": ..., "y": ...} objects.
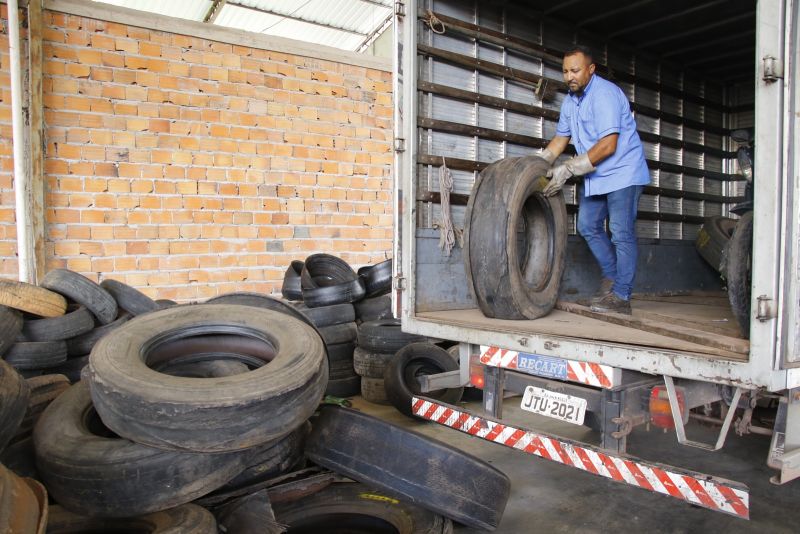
[
  {"x": 611, "y": 303},
  {"x": 606, "y": 285}
]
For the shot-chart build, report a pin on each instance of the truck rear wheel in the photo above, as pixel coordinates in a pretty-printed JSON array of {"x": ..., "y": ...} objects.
[{"x": 515, "y": 240}]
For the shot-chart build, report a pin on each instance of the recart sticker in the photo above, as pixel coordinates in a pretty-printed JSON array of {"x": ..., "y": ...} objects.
[{"x": 548, "y": 366}]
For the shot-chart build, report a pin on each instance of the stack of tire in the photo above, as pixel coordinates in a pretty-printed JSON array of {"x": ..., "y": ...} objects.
[
  {"x": 378, "y": 342},
  {"x": 58, "y": 322},
  {"x": 336, "y": 298}
]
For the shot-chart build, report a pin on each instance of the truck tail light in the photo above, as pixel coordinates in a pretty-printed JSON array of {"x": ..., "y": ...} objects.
[
  {"x": 660, "y": 411},
  {"x": 476, "y": 371}
]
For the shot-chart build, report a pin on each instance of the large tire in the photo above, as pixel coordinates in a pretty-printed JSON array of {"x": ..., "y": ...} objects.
[
  {"x": 186, "y": 519},
  {"x": 14, "y": 396},
  {"x": 738, "y": 271},
  {"x": 83, "y": 291},
  {"x": 404, "y": 463},
  {"x": 513, "y": 274},
  {"x": 129, "y": 298},
  {"x": 339, "y": 333},
  {"x": 384, "y": 335},
  {"x": 72, "y": 324},
  {"x": 344, "y": 387},
  {"x": 400, "y": 376},
  {"x": 373, "y": 390},
  {"x": 32, "y": 299},
  {"x": 93, "y": 472},
  {"x": 72, "y": 368},
  {"x": 358, "y": 508},
  {"x": 10, "y": 327},
  {"x": 210, "y": 414},
  {"x": 712, "y": 239}
]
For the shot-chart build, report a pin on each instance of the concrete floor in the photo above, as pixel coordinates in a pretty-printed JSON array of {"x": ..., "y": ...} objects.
[{"x": 548, "y": 497}]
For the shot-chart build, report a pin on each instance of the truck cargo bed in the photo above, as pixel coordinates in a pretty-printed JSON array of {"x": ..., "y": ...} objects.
[{"x": 699, "y": 324}]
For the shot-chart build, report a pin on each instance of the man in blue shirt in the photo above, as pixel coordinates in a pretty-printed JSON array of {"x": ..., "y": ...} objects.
[{"x": 596, "y": 118}]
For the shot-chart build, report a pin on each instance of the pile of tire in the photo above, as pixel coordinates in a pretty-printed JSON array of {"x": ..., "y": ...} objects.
[
  {"x": 51, "y": 328},
  {"x": 194, "y": 418},
  {"x": 336, "y": 299}
]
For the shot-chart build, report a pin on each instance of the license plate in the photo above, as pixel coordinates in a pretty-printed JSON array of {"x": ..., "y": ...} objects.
[{"x": 556, "y": 405}]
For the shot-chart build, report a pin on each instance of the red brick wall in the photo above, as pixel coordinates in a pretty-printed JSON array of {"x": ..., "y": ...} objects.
[{"x": 190, "y": 168}]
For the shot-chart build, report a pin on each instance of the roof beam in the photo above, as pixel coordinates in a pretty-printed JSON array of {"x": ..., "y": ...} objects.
[
  {"x": 699, "y": 29},
  {"x": 298, "y": 19},
  {"x": 665, "y": 18},
  {"x": 559, "y": 6},
  {"x": 374, "y": 34},
  {"x": 710, "y": 59},
  {"x": 706, "y": 44},
  {"x": 613, "y": 12},
  {"x": 214, "y": 10}
]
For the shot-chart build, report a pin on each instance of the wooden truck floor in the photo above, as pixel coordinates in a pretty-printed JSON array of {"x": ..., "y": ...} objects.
[{"x": 697, "y": 323}]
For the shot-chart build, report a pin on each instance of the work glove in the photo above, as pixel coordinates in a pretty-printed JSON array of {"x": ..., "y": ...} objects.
[
  {"x": 548, "y": 156},
  {"x": 577, "y": 166}
]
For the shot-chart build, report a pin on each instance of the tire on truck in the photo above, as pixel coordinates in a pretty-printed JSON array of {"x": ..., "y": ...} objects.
[{"x": 515, "y": 240}]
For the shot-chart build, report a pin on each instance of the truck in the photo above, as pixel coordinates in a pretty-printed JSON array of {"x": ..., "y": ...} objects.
[{"x": 477, "y": 82}]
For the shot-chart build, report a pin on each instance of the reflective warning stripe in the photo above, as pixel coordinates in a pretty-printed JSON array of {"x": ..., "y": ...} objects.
[
  {"x": 696, "y": 488},
  {"x": 593, "y": 374}
]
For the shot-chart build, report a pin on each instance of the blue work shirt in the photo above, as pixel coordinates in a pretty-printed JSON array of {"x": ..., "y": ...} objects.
[{"x": 601, "y": 110}]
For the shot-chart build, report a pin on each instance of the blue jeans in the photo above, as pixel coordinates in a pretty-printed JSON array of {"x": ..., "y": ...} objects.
[{"x": 617, "y": 255}]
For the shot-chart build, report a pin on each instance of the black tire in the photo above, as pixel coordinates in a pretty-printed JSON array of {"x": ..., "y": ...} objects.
[
  {"x": 71, "y": 324},
  {"x": 291, "y": 289},
  {"x": 412, "y": 361},
  {"x": 258, "y": 300},
  {"x": 165, "y": 303},
  {"x": 374, "y": 391},
  {"x": 339, "y": 333},
  {"x": 19, "y": 456},
  {"x": 186, "y": 519},
  {"x": 14, "y": 395},
  {"x": 250, "y": 513},
  {"x": 83, "y": 291},
  {"x": 738, "y": 271},
  {"x": 384, "y": 335},
  {"x": 377, "y": 278},
  {"x": 34, "y": 355},
  {"x": 370, "y": 364},
  {"x": 129, "y": 298},
  {"x": 346, "y": 292},
  {"x": 43, "y": 390},
  {"x": 372, "y": 309},
  {"x": 10, "y": 327},
  {"x": 341, "y": 352},
  {"x": 211, "y": 414},
  {"x": 409, "y": 465},
  {"x": 93, "y": 472},
  {"x": 344, "y": 387},
  {"x": 324, "y": 270},
  {"x": 513, "y": 275},
  {"x": 358, "y": 508},
  {"x": 270, "y": 462},
  {"x": 82, "y": 344},
  {"x": 712, "y": 239},
  {"x": 329, "y": 315}
]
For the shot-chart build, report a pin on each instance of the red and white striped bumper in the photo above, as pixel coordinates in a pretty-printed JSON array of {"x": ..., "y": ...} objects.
[
  {"x": 696, "y": 488},
  {"x": 592, "y": 374}
]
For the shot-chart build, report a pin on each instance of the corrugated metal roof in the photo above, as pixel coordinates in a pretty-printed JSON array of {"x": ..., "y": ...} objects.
[{"x": 345, "y": 24}]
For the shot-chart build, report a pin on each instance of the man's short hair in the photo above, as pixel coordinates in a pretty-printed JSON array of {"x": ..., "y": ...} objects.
[{"x": 581, "y": 49}]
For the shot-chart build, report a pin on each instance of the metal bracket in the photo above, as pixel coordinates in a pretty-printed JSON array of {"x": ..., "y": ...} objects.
[
  {"x": 399, "y": 144},
  {"x": 540, "y": 88},
  {"x": 680, "y": 431},
  {"x": 448, "y": 379},
  {"x": 764, "y": 310},
  {"x": 400, "y": 8}
]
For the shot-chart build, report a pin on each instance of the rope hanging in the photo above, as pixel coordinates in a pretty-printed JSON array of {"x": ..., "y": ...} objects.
[
  {"x": 433, "y": 22},
  {"x": 449, "y": 234}
]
